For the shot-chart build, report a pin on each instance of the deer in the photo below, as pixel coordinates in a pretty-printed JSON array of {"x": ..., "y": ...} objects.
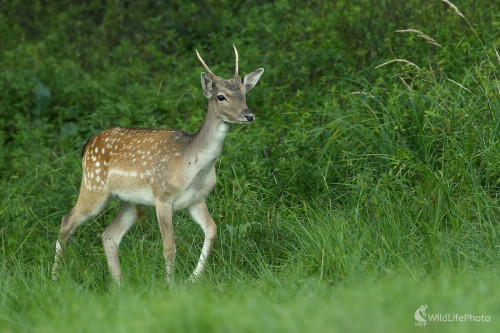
[{"x": 166, "y": 168}]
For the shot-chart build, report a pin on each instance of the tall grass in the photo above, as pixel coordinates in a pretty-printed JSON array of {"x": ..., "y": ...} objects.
[{"x": 274, "y": 302}]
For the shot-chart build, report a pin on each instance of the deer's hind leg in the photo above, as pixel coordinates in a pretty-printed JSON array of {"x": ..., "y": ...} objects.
[
  {"x": 88, "y": 205},
  {"x": 111, "y": 237}
]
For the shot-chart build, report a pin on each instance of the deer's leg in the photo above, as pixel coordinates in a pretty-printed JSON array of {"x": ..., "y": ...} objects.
[
  {"x": 111, "y": 237},
  {"x": 87, "y": 206},
  {"x": 200, "y": 214},
  {"x": 164, "y": 214}
]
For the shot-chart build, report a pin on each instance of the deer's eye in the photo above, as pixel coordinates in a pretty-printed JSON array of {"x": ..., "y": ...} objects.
[{"x": 221, "y": 98}]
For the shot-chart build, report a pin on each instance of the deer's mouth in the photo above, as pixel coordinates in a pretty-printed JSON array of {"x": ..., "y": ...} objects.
[{"x": 244, "y": 117}]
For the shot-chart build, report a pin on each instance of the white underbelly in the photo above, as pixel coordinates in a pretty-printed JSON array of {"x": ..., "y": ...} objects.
[{"x": 142, "y": 196}]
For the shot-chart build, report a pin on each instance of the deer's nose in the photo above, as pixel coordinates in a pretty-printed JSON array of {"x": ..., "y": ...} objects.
[{"x": 248, "y": 115}]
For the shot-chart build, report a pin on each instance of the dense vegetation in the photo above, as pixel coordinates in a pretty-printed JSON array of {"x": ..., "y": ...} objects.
[{"x": 373, "y": 166}]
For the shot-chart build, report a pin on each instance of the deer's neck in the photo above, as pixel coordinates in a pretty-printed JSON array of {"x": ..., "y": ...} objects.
[{"x": 208, "y": 141}]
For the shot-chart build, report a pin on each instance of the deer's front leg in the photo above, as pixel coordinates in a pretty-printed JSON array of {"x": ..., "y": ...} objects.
[
  {"x": 200, "y": 214},
  {"x": 164, "y": 214}
]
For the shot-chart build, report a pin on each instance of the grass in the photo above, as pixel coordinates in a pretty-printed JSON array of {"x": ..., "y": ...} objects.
[
  {"x": 302, "y": 268},
  {"x": 367, "y": 187},
  {"x": 271, "y": 303}
]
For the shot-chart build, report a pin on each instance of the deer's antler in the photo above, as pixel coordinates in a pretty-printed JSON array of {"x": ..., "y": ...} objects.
[
  {"x": 236, "y": 54},
  {"x": 205, "y": 65}
]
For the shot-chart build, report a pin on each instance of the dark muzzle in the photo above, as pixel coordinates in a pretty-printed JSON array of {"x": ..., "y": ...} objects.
[{"x": 248, "y": 115}]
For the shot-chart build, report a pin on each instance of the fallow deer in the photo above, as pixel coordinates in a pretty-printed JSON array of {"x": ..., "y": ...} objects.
[{"x": 166, "y": 168}]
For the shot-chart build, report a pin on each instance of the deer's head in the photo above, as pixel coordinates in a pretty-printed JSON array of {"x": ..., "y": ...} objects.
[{"x": 228, "y": 97}]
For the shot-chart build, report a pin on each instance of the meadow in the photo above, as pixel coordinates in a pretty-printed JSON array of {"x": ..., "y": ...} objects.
[{"x": 367, "y": 187}]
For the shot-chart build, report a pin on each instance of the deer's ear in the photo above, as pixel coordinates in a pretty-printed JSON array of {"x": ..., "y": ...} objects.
[
  {"x": 251, "y": 79},
  {"x": 206, "y": 84}
]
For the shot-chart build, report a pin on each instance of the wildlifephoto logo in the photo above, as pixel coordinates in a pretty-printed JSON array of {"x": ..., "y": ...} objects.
[
  {"x": 420, "y": 315},
  {"x": 422, "y": 318}
]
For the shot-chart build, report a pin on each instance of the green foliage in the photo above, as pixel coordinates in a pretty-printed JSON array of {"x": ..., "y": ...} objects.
[
  {"x": 269, "y": 304},
  {"x": 374, "y": 151}
]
